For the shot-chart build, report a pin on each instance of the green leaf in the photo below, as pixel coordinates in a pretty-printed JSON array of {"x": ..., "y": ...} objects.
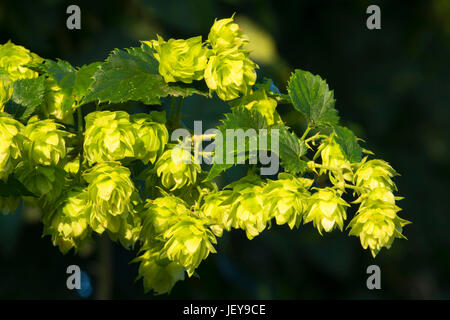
[
  {"x": 349, "y": 143},
  {"x": 239, "y": 118},
  {"x": 14, "y": 188},
  {"x": 132, "y": 75},
  {"x": 27, "y": 95},
  {"x": 311, "y": 96},
  {"x": 291, "y": 149},
  {"x": 84, "y": 79}
]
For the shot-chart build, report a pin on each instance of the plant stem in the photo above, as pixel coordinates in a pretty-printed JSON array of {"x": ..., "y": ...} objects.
[
  {"x": 305, "y": 133},
  {"x": 178, "y": 115}
]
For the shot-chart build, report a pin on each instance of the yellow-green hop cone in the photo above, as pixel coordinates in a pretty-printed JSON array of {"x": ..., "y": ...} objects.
[
  {"x": 260, "y": 102},
  {"x": 53, "y": 102},
  {"x": 159, "y": 215},
  {"x": 181, "y": 60},
  {"x": 44, "y": 182},
  {"x": 375, "y": 173},
  {"x": 327, "y": 210},
  {"x": 215, "y": 209},
  {"x": 226, "y": 34},
  {"x": 159, "y": 274},
  {"x": 247, "y": 206},
  {"x": 286, "y": 199},
  {"x": 151, "y": 138},
  {"x": 377, "y": 225},
  {"x": 68, "y": 226},
  {"x": 11, "y": 142},
  {"x": 230, "y": 73},
  {"x": 177, "y": 169},
  {"x": 189, "y": 242},
  {"x": 9, "y": 204},
  {"x": 129, "y": 230},
  {"x": 109, "y": 136},
  {"x": 112, "y": 194},
  {"x": 332, "y": 157},
  {"x": 46, "y": 143},
  {"x": 13, "y": 59}
]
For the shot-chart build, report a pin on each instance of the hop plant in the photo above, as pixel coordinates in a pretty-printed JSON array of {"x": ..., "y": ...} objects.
[
  {"x": 112, "y": 195},
  {"x": 230, "y": 73},
  {"x": 88, "y": 177},
  {"x": 327, "y": 210},
  {"x": 13, "y": 59},
  {"x": 151, "y": 137},
  {"x": 286, "y": 199},
  {"x": 68, "y": 226},
  {"x": 11, "y": 143},
  {"x": 45, "y": 144},
  {"x": 181, "y": 60},
  {"x": 177, "y": 169},
  {"x": 109, "y": 136}
]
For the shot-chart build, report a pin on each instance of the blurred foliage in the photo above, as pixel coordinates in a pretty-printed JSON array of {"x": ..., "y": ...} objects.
[{"x": 392, "y": 85}]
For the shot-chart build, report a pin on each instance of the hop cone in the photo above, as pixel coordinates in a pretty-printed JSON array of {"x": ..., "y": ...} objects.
[
  {"x": 181, "y": 60},
  {"x": 68, "y": 226},
  {"x": 46, "y": 143},
  {"x": 159, "y": 274},
  {"x": 151, "y": 137},
  {"x": 326, "y": 210},
  {"x": 186, "y": 238},
  {"x": 333, "y": 157},
  {"x": 247, "y": 207},
  {"x": 177, "y": 169},
  {"x": 230, "y": 73},
  {"x": 215, "y": 209},
  {"x": 13, "y": 59},
  {"x": 375, "y": 173},
  {"x": 10, "y": 144},
  {"x": 260, "y": 102},
  {"x": 286, "y": 199},
  {"x": 109, "y": 136},
  {"x": 113, "y": 196},
  {"x": 6, "y": 89},
  {"x": 376, "y": 222},
  {"x": 226, "y": 34},
  {"x": 53, "y": 103}
]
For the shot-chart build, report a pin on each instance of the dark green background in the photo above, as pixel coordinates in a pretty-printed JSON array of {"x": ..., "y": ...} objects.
[{"x": 392, "y": 89}]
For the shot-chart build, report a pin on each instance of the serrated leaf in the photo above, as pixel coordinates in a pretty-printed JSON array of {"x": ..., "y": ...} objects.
[
  {"x": 14, "y": 188},
  {"x": 132, "y": 75},
  {"x": 84, "y": 79},
  {"x": 311, "y": 96},
  {"x": 27, "y": 95},
  {"x": 349, "y": 143},
  {"x": 243, "y": 119},
  {"x": 291, "y": 149}
]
